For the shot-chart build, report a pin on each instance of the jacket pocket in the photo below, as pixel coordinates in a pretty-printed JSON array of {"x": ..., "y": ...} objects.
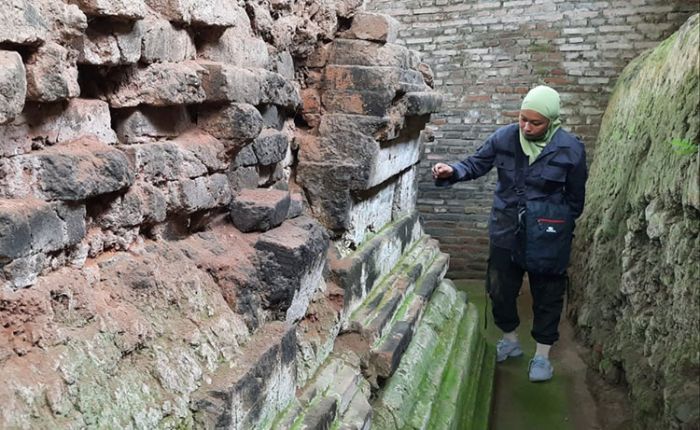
[{"x": 545, "y": 235}]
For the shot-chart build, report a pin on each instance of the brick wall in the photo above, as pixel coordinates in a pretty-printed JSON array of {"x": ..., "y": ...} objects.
[{"x": 486, "y": 55}]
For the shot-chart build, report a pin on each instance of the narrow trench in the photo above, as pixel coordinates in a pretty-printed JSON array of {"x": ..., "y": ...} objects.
[{"x": 572, "y": 400}]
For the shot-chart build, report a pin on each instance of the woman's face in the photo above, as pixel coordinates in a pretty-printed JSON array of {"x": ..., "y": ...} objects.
[{"x": 533, "y": 125}]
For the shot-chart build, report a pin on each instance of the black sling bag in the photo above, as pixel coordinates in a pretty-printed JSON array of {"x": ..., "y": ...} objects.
[{"x": 544, "y": 232}]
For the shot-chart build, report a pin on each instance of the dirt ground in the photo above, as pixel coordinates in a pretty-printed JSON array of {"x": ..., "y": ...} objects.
[{"x": 575, "y": 399}]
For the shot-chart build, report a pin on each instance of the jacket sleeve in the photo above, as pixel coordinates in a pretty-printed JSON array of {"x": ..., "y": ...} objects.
[
  {"x": 472, "y": 167},
  {"x": 575, "y": 191}
]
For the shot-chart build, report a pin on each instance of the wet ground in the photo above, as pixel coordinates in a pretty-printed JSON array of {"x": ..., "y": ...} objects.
[{"x": 563, "y": 403}]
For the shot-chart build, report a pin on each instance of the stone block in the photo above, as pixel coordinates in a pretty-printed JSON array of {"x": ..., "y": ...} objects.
[
  {"x": 224, "y": 82},
  {"x": 422, "y": 103},
  {"x": 237, "y": 46},
  {"x": 51, "y": 74},
  {"x": 381, "y": 128},
  {"x": 258, "y": 387},
  {"x": 164, "y": 43},
  {"x": 243, "y": 177},
  {"x": 292, "y": 257},
  {"x": 208, "y": 13},
  {"x": 111, "y": 44},
  {"x": 283, "y": 63},
  {"x": 368, "y": 215},
  {"x": 279, "y": 91},
  {"x": 360, "y": 271},
  {"x": 347, "y": 8},
  {"x": 63, "y": 122},
  {"x": 235, "y": 124},
  {"x": 270, "y": 146},
  {"x": 73, "y": 171},
  {"x": 259, "y": 209},
  {"x": 366, "y": 53},
  {"x": 149, "y": 123},
  {"x": 245, "y": 157},
  {"x": 49, "y": 124},
  {"x": 22, "y": 24},
  {"x": 141, "y": 204},
  {"x": 207, "y": 149},
  {"x": 187, "y": 196},
  {"x": 13, "y": 85},
  {"x": 164, "y": 161},
  {"x": 123, "y": 9},
  {"x": 373, "y": 103},
  {"x": 373, "y": 26},
  {"x": 372, "y": 78},
  {"x": 30, "y": 226},
  {"x": 160, "y": 84},
  {"x": 405, "y": 193},
  {"x": 296, "y": 205}
]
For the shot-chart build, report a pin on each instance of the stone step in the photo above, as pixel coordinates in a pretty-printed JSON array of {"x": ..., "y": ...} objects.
[
  {"x": 358, "y": 415},
  {"x": 372, "y": 317},
  {"x": 259, "y": 209},
  {"x": 336, "y": 391},
  {"x": 255, "y": 387},
  {"x": 385, "y": 355},
  {"x": 418, "y": 376},
  {"x": 359, "y": 272},
  {"x": 445, "y": 378},
  {"x": 460, "y": 378}
]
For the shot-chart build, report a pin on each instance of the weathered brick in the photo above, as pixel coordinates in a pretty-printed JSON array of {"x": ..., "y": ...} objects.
[
  {"x": 13, "y": 85},
  {"x": 373, "y": 26},
  {"x": 22, "y": 24},
  {"x": 125, "y": 9},
  {"x": 162, "y": 42},
  {"x": 160, "y": 84}
]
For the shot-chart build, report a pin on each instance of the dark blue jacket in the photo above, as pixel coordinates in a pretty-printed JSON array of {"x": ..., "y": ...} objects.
[{"x": 558, "y": 175}]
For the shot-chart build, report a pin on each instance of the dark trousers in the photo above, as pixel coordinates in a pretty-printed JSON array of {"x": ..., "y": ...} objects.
[{"x": 503, "y": 284}]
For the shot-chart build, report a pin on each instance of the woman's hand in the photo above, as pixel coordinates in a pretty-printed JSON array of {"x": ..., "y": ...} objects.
[{"x": 442, "y": 171}]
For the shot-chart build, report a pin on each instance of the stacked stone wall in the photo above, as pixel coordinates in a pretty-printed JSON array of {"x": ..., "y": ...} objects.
[
  {"x": 208, "y": 220},
  {"x": 486, "y": 55}
]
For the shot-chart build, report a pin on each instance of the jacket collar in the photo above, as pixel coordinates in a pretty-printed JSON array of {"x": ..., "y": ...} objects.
[{"x": 558, "y": 141}]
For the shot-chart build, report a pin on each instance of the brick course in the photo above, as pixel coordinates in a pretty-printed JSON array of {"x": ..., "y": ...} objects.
[{"x": 485, "y": 55}]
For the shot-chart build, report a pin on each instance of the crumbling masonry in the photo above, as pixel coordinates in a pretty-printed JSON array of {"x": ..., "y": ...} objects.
[{"x": 207, "y": 220}]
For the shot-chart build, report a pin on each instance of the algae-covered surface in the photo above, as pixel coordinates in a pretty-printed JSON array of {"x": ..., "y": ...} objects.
[
  {"x": 518, "y": 404},
  {"x": 636, "y": 261}
]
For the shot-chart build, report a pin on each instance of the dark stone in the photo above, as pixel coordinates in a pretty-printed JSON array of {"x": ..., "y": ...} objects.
[
  {"x": 422, "y": 103},
  {"x": 244, "y": 387},
  {"x": 246, "y": 157},
  {"x": 285, "y": 254},
  {"x": 259, "y": 209},
  {"x": 15, "y": 235},
  {"x": 82, "y": 169},
  {"x": 270, "y": 146},
  {"x": 432, "y": 277},
  {"x": 235, "y": 124},
  {"x": 386, "y": 358},
  {"x": 273, "y": 117},
  {"x": 74, "y": 218},
  {"x": 279, "y": 91},
  {"x": 321, "y": 415}
]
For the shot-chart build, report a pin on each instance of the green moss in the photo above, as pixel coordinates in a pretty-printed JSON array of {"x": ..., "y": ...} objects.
[{"x": 635, "y": 262}]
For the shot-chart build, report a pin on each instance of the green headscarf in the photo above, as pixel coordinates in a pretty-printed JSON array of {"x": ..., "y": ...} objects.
[{"x": 545, "y": 101}]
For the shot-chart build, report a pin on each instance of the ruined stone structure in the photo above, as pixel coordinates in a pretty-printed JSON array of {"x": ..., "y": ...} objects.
[
  {"x": 635, "y": 274},
  {"x": 486, "y": 55},
  {"x": 208, "y": 220}
]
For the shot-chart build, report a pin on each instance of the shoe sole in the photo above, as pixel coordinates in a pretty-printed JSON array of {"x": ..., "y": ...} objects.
[
  {"x": 541, "y": 380},
  {"x": 516, "y": 353}
]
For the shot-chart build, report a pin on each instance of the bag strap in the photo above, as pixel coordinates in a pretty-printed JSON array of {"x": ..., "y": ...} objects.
[{"x": 520, "y": 163}]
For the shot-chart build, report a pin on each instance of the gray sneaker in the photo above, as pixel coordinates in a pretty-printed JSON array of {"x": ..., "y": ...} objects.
[
  {"x": 540, "y": 369},
  {"x": 506, "y": 348}
]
